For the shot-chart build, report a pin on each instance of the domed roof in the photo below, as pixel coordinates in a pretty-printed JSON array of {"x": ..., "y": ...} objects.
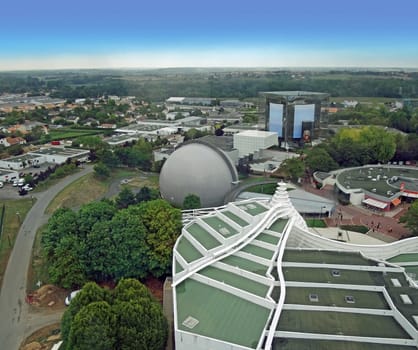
[{"x": 197, "y": 168}]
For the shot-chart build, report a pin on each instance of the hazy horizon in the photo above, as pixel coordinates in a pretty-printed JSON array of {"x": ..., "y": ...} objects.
[{"x": 129, "y": 34}]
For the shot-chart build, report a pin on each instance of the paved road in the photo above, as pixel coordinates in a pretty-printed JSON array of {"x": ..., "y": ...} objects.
[{"x": 15, "y": 320}]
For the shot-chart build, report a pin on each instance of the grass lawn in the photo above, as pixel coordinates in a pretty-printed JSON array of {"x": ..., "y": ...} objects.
[
  {"x": 355, "y": 228},
  {"x": 11, "y": 225},
  {"x": 316, "y": 223},
  {"x": 263, "y": 188},
  {"x": 38, "y": 271},
  {"x": 72, "y": 133},
  {"x": 84, "y": 190}
]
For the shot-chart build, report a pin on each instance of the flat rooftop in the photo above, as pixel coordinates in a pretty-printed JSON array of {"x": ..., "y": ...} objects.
[
  {"x": 21, "y": 158},
  {"x": 380, "y": 179},
  {"x": 61, "y": 151}
]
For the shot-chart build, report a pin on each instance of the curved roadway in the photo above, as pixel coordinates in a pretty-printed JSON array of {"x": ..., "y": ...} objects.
[{"x": 15, "y": 320}]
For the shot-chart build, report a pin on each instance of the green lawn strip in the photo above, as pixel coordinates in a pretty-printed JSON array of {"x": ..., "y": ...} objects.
[
  {"x": 355, "y": 228},
  {"x": 38, "y": 269},
  {"x": 263, "y": 188},
  {"x": 336, "y": 297},
  {"x": 340, "y": 323},
  {"x": 15, "y": 213},
  {"x": 316, "y": 223}
]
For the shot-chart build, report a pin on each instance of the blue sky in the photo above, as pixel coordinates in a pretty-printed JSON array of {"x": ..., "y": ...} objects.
[{"x": 260, "y": 33}]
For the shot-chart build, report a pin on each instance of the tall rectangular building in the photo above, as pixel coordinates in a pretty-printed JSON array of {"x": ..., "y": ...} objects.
[{"x": 294, "y": 115}]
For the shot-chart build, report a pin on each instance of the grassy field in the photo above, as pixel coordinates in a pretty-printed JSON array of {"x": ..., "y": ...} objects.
[
  {"x": 355, "y": 228},
  {"x": 15, "y": 213},
  {"x": 62, "y": 134},
  {"x": 265, "y": 189},
  {"x": 38, "y": 271},
  {"x": 84, "y": 190},
  {"x": 316, "y": 223}
]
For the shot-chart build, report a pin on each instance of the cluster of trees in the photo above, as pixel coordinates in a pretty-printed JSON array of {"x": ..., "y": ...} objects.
[
  {"x": 126, "y": 197},
  {"x": 405, "y": 119},
  {"x": 410, "y": 218},
  {"x": 137, "y": 154},
  {"x": 101, "y": 242},
  {"x": 126, "y": 318},
  {"x": 349, "y": 147},
  {"x": 157, "y": 85}
]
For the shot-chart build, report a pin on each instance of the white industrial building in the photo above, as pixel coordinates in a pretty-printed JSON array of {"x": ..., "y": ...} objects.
[{"x": 252, "y": 141}]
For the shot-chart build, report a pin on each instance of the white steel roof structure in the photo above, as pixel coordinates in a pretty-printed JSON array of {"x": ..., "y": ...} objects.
[{"x": 249, "y": 275}]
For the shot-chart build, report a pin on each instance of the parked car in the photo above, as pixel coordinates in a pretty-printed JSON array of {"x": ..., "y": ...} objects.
[
  {"x": 22, "y": 192},
  {"x": 71, "y": 296},
  {"x": 15, "y": 182},
  {"x": 1, "y": 184},
  {"x": 27, "y": 187}
]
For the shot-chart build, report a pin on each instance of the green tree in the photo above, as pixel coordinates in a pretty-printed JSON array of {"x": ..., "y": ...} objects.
[
  {"x": 318, "y": 159},
  {"x": 146, "y": 194},
  {"x": 126, "y": 318},
  {"x": 163, "y": 226},
  {"x": 125, "y": 198},
  {"x": 293, "y": 168},
  {"x": 101, "y": 171},
  {"x": 61, "y": 224},
  {"x": 93, "y": 327},
  {"x": 380, "y": 144},
  {"x": 65, "y": 267},
  {"x": 93, "y": 212},
  {"x": 90, "y": 293},
  {"x": 191, "y": 201},
  {"x": 410, "y": 218}
]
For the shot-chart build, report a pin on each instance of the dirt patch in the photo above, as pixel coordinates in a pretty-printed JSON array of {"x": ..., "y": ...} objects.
[
  {"x": 47, "y": 296},
  {"x": 42, "y": 339},
  {"x": 156, "y": 288}
]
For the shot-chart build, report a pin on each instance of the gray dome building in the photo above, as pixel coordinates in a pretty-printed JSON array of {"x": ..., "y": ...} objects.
[{"x": 197, "y": 168}]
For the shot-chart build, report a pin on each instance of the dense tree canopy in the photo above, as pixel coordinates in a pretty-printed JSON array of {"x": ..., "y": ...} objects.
[
  {"x": 126, "y": 318},
  {"x": 102, "y": 243},
  {"x": 191, "y": 201},
  {"x": 410, "y": 219}
]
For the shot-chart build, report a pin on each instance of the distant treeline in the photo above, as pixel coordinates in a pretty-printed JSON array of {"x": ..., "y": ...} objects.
[{"x": 157, "y": 85}]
